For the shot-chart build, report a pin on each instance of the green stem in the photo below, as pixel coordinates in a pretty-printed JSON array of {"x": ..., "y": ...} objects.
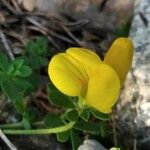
[
  {"x": 41, "y": 131},
  {"x": 19, "y": 125},
  {"x": 11, "y": 125}
]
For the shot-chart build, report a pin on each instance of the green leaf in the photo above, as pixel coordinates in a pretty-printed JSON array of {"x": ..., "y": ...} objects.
[
  {"x": 34, "y": 80},
  {"x": 42, "y": 43},
  {"x": 100, "y": 116},
  {"x": 36, "y": 63},
  {"x": 85, "y": 115},
  {"x": 26, "y": 124},
  {"x": 10, "y": 69},
  {"x": 122, "y": 31},
  {"x": 63, "y": 136},
  {"x": 104, "y": 129},
  {"x": 1, "y": 73},
  {"x": 18, "y": 63},
  {"x": 28, "y": 118},
  {"x": 52, "y": 120},
  {"x": 58, "y": 98},
  {"x": 14, "y": 66},
  {"x": 38, "y": 46},
  {"x": 2, "y": 76},
  {"x": 9, "y": 89},
  {"x": 19, "y": 105},
  {"x": 3, "y": 62},
  {"x": 24, "y": 86},
  {"x": 72, "y": 115},
  {"x": 43, "y": 61},
  {"x": 75, "y": 139},
  {"x": 32, "y": 48},
  {"x": 25, "y": 71},
  {"x": 89, "y": 127}
]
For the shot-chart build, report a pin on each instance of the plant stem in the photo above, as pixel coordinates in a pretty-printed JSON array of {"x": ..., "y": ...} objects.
[
  {"x": 18, "y": 125},
  {"x": 11, "y": 125},
  {"x": 41, "y": 131}
]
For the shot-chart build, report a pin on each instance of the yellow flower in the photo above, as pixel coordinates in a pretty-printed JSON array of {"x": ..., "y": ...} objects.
[{"x": 80, "y": 72}]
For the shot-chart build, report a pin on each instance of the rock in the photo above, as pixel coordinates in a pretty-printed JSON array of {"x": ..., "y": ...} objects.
[
  {"x": 91, "y": 145},
  {"x": 134, "y": 107},
  {"x": 46, "y": 5},
  {"x": 29, "y": 5},
  {"x": 114, "y": 14}
]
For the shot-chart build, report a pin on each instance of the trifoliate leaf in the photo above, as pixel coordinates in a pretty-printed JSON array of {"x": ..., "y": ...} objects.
[
  {"x": 63, "y": 136},
  {"x": 52, "y": 120}
]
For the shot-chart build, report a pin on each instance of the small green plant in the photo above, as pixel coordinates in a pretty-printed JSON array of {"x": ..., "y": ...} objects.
[
  {"x": 14, "y": 81},
  {"x": 79, "y": 114},
  {"x": 20, "y": 77}
]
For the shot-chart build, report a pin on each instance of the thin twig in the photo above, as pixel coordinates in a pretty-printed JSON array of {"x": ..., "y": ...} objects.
[
  {"x": 6, "y": 140},
  {"x": 72, "y": 36},
  {"x": 144, "y": 19},
  {"x": 37, "y": 24},
  {"x": 53, "y": 42},
  {"x": 17, "y": 36},
  {"x": 135, "y": 145},
  {"x": 77, "y": 24},
  {"x": 14, "y": 2},
  {"x": 44, "y": 33},
  {"x": 10, "y": 8},
  {"x": 6, "y": 45},
  {"x": 114, "y": 130}
]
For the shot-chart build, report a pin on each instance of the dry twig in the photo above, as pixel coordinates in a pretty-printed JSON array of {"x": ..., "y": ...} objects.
[
  {"x": 6, "y": 140},
  {"x": 52, "y": 33},
  {"x": 6, "y": 45},
  {"x": 72, "y": 36},
  {"x": 114, "y": 130},
  {"x": 14, "y": 2},
  {"x": 9, "y": 7}
]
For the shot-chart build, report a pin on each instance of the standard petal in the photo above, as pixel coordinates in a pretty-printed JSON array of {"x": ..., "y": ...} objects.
[
  {"x": 103, "y": 89},
  {"x": 119, "y": 56},
  {"x": 65, "y": 76},
  {"x": 79, "y": 66},
  {"x": 87, "y": 57}
]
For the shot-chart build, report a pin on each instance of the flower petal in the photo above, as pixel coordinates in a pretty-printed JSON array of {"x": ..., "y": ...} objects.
[
  {"x": 86, "y": 57},
  {"x": 65, "y": 76},
  {"x": 103, "y": 89},
  {"x": 119, "y": 56},
  {"x": 79, "y": 66}
]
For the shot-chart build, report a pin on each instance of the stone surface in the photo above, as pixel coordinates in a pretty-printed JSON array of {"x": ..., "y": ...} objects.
[
  {"x": 137, "y": 86},
  {"x": 91, "y": 145},
  {"x": 114, "y": 13},
  {"x": 134, "y": 106}
]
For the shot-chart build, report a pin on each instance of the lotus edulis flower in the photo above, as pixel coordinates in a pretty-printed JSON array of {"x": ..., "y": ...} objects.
[{"x": 80, "y": 72}]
